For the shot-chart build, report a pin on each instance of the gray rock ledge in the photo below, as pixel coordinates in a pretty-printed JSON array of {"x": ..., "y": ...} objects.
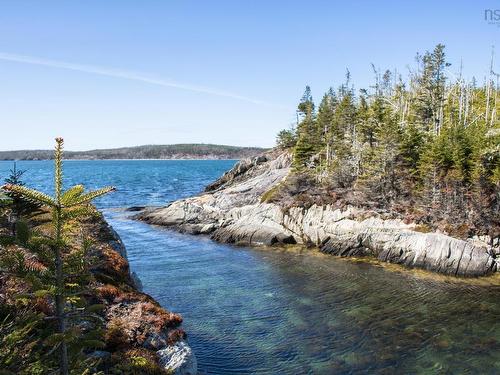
[{"x": 231, "y": 211}]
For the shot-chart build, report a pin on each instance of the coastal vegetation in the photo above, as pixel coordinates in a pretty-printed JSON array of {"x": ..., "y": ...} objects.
[
  {"x": 178, "y": 151},
  {"x": 60, "y": 283},
  {"x": 426, "y": 148}
]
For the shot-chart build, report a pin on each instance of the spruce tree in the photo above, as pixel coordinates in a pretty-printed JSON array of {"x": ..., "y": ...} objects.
[
  {"x": 66, "y": 207},
  {"x": 325, "y": 122},
  {"x": 344, "y": 164},
  {"x": 286, "y": 138},
  {"x": 425, "y": 141},
  {"x": 20, "y": 208},
  {"x": 307, "y": 136}
]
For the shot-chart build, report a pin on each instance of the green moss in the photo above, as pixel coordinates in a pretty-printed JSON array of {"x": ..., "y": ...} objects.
[
  {"x": 140, "y": 363},
  {"x": 268, "y": 196}
]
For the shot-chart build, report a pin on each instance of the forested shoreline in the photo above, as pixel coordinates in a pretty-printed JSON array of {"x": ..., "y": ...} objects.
[
  {"x": 177, "y": 151},
  {"x": 425, "y": 147}
]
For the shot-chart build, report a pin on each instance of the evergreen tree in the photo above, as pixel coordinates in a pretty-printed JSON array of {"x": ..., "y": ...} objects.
[
  {"x": 286, "y": 138},
  {"x": 306, "y": 105},
  {"x": 344, "y": 160},
  {"x": 57, "y": 279},
  {"x": 306, "y": 145},
  {"x": 20, "y": 208},
  {"x": 430, "y": 93},
  {"x": 325, "y": 121},
  {"x": 365, "y": 125},
  {"x": 425, "y": 140}
]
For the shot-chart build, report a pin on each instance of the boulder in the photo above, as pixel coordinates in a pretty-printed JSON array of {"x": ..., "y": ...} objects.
[{"x": 179, "y": 359}]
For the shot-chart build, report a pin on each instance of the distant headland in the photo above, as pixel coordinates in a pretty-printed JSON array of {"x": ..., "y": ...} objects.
[{"x": 176, "y": 151}]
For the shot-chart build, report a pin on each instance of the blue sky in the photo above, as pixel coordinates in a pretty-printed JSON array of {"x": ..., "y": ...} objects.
[{"x": 121, "y": 73}]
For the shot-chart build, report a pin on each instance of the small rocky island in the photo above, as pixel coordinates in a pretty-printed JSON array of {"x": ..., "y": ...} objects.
[{"x": 240, "y": 208}]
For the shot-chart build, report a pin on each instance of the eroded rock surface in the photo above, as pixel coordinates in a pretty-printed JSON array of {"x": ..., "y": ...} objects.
[{"x": 232, "y": 210}]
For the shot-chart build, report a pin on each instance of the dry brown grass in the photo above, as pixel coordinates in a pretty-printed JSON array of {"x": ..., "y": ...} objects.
[
  {"x": 176, "y": 335},
  {"x": 423, "y": 228},
  {"x": 114, "y": 261},
  {"x": 108, "y": 292},
  {"x": 158, "y": 317}
]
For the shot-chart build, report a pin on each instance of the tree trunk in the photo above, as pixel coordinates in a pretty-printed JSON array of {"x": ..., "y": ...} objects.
[
  {"x": 62, "y": 329},
  {"x": 60, "y": 300}
]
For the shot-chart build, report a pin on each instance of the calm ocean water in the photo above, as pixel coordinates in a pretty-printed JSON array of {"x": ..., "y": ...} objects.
[{"x": 256, "y": 311}]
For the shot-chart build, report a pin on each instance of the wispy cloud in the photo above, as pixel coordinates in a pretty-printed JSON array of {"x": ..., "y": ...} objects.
[{"x": 118, "y": 73}]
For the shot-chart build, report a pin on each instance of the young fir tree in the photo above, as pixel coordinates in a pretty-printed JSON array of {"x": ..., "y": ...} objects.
[
  {"x": 64, "y": 276},
  {"x": 20, "y": 208}
]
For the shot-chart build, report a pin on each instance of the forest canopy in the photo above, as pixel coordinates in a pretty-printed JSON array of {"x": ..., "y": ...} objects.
[{"x": 427, "y": 145}]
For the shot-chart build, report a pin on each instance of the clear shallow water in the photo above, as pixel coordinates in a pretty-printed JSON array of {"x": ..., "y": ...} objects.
[{"x": 251, "y": 311}]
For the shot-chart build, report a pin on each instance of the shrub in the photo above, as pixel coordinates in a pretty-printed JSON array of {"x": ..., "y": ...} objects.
[
  {"x": 115, "y": 336},
  {"x": 137, "y": 361},
  {"x": 159, "y": 317}
]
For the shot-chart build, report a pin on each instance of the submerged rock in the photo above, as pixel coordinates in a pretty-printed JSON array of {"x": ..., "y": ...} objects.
[{"x": 232, "y": 210}]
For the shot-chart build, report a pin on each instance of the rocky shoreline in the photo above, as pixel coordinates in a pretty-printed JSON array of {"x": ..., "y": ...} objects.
[
  {"x": 234, "y": 210},
  {"x": 134, "y": 320},
  {"x": 134, "y": 335}
]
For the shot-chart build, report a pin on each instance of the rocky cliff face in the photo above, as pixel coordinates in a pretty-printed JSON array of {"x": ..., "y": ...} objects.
[{"x": 232, "y": 210}]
